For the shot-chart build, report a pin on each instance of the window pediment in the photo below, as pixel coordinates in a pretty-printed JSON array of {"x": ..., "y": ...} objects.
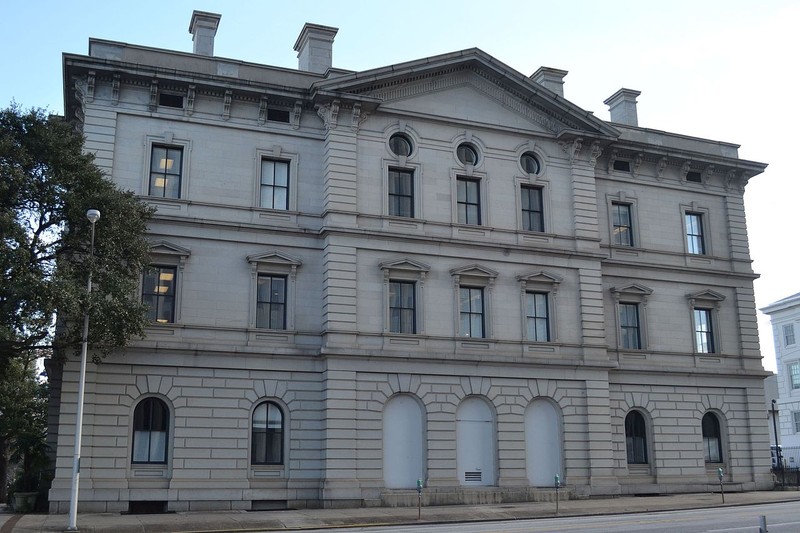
[
  {"x": 632, "y": 289},
  {"x": 474, "y": 271},
  {"x": 405, "y": 264},
  {"x": 274, "y": 258},
  {"x": 539, "y": 277},
  {"x": 166, "y": 248},
  {"x": 706, "y": 295}
]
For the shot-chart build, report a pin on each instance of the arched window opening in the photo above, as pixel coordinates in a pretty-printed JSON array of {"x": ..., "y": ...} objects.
[
  {"x": 150, "y": 423},
  {"x": 636, "y": 438},
  {"x": 267, "y": 437},
  {"x": 712, "y": 438}
]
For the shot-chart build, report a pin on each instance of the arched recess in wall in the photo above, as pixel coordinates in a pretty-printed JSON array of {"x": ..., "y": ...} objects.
[
  {"x": 475, "y": 443},
  {"x": 543, "y": 443},
  {"x": 403, "y": 442}
]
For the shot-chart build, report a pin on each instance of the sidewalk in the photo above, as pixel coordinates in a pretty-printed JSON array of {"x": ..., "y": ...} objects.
[{"x": 224, "y": 521}]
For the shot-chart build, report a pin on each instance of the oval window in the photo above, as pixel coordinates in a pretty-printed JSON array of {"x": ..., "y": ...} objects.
[
  {"x": 530, "y": 163},
  {"x": 467, "y": 154},
  {"x": 400, "y": 145}
]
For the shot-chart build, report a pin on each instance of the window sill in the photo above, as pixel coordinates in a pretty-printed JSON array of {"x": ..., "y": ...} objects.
[{"x": 267, "y": 472}]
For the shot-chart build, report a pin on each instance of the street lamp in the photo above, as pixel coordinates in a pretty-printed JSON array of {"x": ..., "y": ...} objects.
[{"x": 93, "y": 215}]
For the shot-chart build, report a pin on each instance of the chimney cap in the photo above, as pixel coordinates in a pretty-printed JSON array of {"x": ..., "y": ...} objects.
[
  {"x": 204, "y": 18},
  {"x": 318, "y": 30},
  {"x": 622, "y": 95}
]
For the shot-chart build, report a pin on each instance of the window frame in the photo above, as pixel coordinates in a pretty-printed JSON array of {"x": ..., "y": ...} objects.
[
  {"x": 404, "y": 270},
  {"x": 788, "y": 335},
  {"x": 158, "y": 295},
  {"x": 412, "y": 197},
  {"x": 474, "y": 277},
  {"x": 275, "y": 187},
  {"x": 167, "y": 433},
  {"x": 167, "y": 140},
  {"x": 276, "y": 153},
  {"x": 625, "y": 329},
  {"x": 707, "y": 301},
  {"x": 540, "y": 282},
  {"x": 793, "y": 372},
  {"x": 702, "y": 213},
  {"x": 479, "y": 203},
  {"x": 270, "y": 303},
  {"x": 268, "y": 402},
  {"x": 403, "y": 324},
  {"x": 704, "y": 338},
  {"x": 631, "y": 294},
  {"x": 274, "y": 263},
  {"x": 527, "y": 214},
  {"x": 167, "y": 254},
  {"x": 634, "y": 456},
  {"x": 616, "y": 228},
  {"x": 796, "y": 421},
  {"x": 708, "y": 440}
]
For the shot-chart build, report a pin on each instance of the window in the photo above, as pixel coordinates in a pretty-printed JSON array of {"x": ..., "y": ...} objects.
[
  {"x": 703, "y": 331},
  {"x": 150, "y": 423},
  {"x": 271, "y": 302},
  {"x": 170, "y": 100},
  {"x": 622, "y": 166},
  {"x": 402, "y": 307},
  {"x": 796, "y": 420},
  {"x": 694, "y": 177},
  {"x": 532, "y": 212},
  {"x": 794, "y": 375},
  {"x": 158, "y": 293},
  {"x": 401, "y": 193},
  {"x": 267, "y": 437},
  {"x": 712, "y": 438},
  {"x": 275, "y": 184},
  {"x": 695, "y": 240},
  {"x": 278, "y": 115},
  {"x": 471, "y": 312},
  {"x": 629, "y": 326},
  {"x": 400, "y": 145},
  {"x": 636, "y": 438},
  {"x": 166, "y": 163},
  {"x": 468, "y": 201},
  {"x": 788, "y": 334},
  {"x": 537, "y": 316},
  {"x": 530, "y": 163},
  {"x": 622, "y": 224},
  {"x": 467, "y": 154},
  {"x": 273, "y": 287}
]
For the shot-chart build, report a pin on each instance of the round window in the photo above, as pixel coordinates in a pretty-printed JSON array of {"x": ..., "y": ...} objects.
[
  {"x": 467, "y": 154},
  {"x": 400, "y": 145},
  {"x": 530, "y": 163}
]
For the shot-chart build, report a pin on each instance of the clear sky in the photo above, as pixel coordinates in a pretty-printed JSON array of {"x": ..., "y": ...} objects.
[{"x": 726, "y": 70}]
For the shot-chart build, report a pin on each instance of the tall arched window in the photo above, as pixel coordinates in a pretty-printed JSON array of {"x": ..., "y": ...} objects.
[
  {"x": 712, "y": 438},
  {"x": 636, "y": 438},
  {"x": 267, "y": 437},
  {"x": 150, "y": 427}
]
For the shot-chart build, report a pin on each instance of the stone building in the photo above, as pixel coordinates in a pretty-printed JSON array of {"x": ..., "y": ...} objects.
[
  {"x": 439, "y": 270},
  {"x": 784, "y": 314}
]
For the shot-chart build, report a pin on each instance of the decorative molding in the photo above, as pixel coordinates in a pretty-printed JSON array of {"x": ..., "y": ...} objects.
[
  {"x": 685, "y": 169},
  {"x": 115, "y": 81},
  {"x": 296, "y": 113},
  {"x": 612, "y": 158},
  {"x": 191, "y": 92},
  {"x": 262, "y": 111},
  {"x": 573, "y": 149},
  {"x": 153, "y": 95},
  {"x": 595, "y": 153},
  {"x": 660, "y": 167},
  {"x": 637, "y": 162},
  {"x": 329, "y": 113},
  {"x": 90, "y": 82},
  {"x": 226, "y": 104}
]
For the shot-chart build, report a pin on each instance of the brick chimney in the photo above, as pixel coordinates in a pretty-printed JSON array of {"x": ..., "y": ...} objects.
[
  {"x": 550, "y": 78},
  {"x": 314, "y": 48},
  {"x": 622, "y": 106},
  {"x": 203, "y": 28}
]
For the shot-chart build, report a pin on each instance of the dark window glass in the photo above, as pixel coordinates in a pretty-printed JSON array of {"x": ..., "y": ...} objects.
[
  {"x": 158, "y": 293},
  {"x": 623, "y": 224},
  {"x": 629, "y": 326},
  {"x": 712, "y": 438},
  {"x": 467, "y": 154},
  {"x": 150, "y": 427},
  {"x": 471, "y": 312},
  {"x": 695, "y": 241},
  {"x": 275, "y": 184},
  {"x": 695, "y": 177},
  {"x": 636, "y": 438},
  {"x": 704, "y": 331},
  {"x": 537, "y": 314},
  {"x": 530, "y": 163},
  {"x": 267, "y": 437},
  {"x": 271, "y": 302},
  {"x": 532, "y": 212},
  {"x": 469, "y": 201},
  {"x": 402, "y": 307},
  {"x": 170, "y": 100},
  {"x": 622, "y": 166},
  {"x": 278, "y": 115},
  {"x": 166, "y": 163},
  {"x": 401, "y": 193},
  {"x": 400, "y": 145}
]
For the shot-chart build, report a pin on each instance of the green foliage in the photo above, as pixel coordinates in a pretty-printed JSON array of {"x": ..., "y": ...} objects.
[{"x": 47, "y": 184}]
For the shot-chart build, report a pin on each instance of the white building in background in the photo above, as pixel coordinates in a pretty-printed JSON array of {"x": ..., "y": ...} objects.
[
  {"x": 438, "y": 270},
  {"x": 785, "y": 317}
]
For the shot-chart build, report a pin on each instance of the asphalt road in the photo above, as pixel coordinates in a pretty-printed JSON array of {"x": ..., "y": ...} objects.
[{"x": 781, "y": 518}]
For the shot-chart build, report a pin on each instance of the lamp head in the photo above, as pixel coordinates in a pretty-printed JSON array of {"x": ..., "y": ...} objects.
[{"x": 93, "y": 215}]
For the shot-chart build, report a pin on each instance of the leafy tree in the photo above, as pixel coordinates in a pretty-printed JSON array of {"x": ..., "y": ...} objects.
[{"x": 47, "y": 184}]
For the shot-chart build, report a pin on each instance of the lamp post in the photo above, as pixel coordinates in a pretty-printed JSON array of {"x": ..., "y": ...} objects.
[{"x": 93, "y": 215}]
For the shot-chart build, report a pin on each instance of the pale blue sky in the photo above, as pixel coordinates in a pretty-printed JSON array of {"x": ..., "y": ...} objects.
[{"x": 721, "y": 69}]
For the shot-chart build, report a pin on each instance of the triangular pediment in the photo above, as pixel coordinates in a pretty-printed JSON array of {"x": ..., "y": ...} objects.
[
  {"x": 469, "y": 85},
  {"x": 405, "y": 264},
  {"x": 274, "y": 258},
  {"x": 540, "y": 276},
  {"x": 162, "y": 247},
  {"x": 633, "y": 288},
  {"x": 474, "y": 270},
  {"x": 707, "y": 295}
]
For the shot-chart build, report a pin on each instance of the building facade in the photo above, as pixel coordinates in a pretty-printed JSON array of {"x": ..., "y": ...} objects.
[
  {"x": 439, "y": 270},
  {"x": 784, "y": 315}
]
